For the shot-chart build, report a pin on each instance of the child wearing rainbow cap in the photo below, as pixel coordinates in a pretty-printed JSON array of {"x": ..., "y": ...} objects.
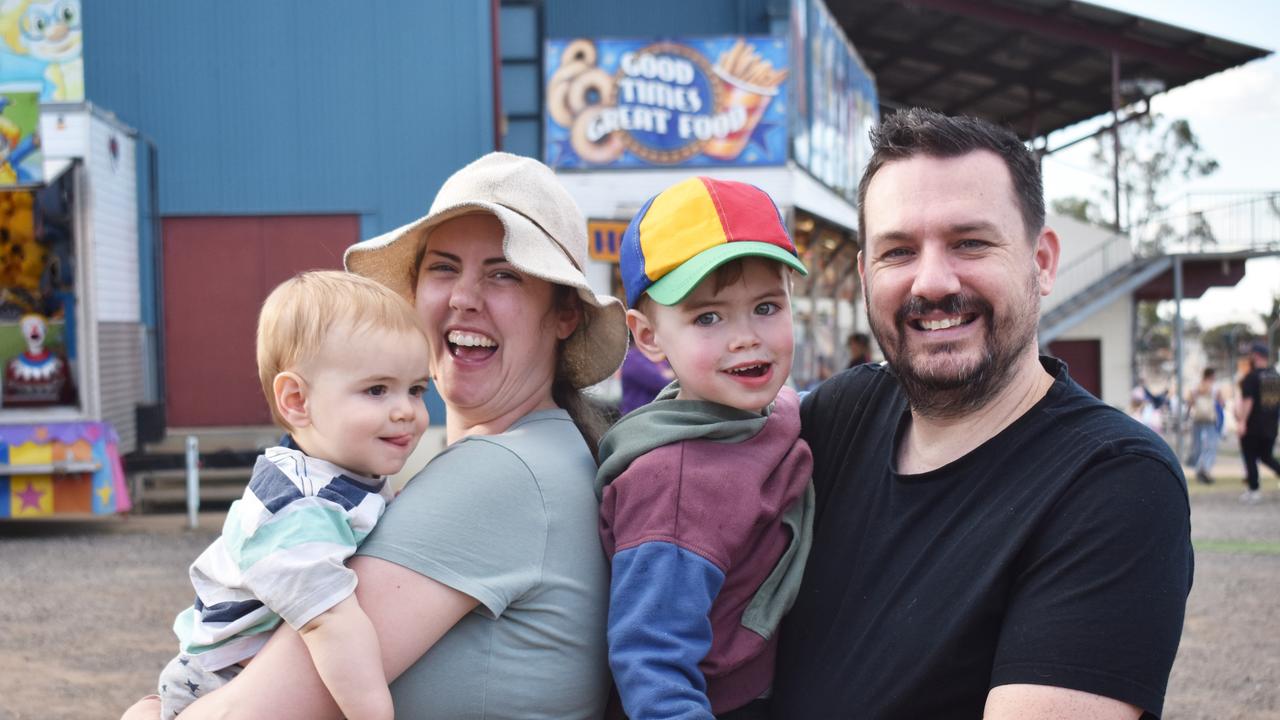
[{"x": 706, "y": 493}]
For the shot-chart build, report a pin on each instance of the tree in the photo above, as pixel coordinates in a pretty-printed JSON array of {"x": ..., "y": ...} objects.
[
  {"x": 1222, "y": 342},
  {"x": 1155, "y": 332},
  {"x": 1271, "y": 325},
  {"x": 1154, "y": 152},
  {"x": 1082, "y": 209}
]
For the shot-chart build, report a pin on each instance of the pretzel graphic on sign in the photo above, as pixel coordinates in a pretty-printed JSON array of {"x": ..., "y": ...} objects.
[{"x": 576, "y": 96}]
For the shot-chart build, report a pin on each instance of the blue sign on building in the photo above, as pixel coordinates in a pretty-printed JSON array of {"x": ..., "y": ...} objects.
[{"x": 615, "y": 103}]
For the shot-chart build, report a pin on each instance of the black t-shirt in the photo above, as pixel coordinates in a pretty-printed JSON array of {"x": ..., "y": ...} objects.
[
  {"x": 1056, "y": 553},
  {"x": 1263, "y": 386}
]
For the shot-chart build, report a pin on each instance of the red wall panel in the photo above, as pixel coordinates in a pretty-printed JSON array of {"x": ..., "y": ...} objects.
[
  {"x": 1084, "y": 362},
  {"x": 217, "y": 271}
]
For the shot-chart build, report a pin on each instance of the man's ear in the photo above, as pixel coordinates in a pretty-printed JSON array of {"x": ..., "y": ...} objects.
[
  {"x": 645, "y": 335},
  {"x": 290, "y": 391},
  {"x": 1046, "y": 258}
]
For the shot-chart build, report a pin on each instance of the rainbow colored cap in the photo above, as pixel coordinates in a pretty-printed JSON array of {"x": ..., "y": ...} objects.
[{"x": 693, "y": 227}]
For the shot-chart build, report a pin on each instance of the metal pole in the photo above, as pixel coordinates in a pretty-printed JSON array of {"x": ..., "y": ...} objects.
[
  {"x": 1135, "y": 339},
  {"x": 814, "y": 279},
  {"x": 1177, "y": 351},
  {"x": 1115, "y": 133},
  {"x": 193, "y": 481}
]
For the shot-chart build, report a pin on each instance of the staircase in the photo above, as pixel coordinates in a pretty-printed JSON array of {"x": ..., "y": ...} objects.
[
  {"x": 1080, "y": 305},
  {"x": 1217, "y": 225}
]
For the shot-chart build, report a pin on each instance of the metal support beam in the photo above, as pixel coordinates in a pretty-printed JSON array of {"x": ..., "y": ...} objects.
[
  {"x": 1060, "y": 28},
  {"x": 962, "y": 62},
  {"x": 1115, "y": 133},
  {"x": 1135, "y": 115},
  {"x": 1177, "y": 354},
  {"x": 890, "y": 51}
]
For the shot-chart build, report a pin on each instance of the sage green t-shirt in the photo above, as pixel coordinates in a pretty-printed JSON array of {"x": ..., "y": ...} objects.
[{"x": 510, "y": 520}]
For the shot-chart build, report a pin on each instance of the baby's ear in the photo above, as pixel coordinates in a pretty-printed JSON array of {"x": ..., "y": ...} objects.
[
  {"x": 645, "y": 335},
  {"x": 291, "y": 399}
]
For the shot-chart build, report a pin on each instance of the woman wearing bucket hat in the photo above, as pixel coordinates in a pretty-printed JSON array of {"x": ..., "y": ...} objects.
[{"x": 489, "y": 558}]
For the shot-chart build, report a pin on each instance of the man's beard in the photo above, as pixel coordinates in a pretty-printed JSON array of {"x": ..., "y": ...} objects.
[{"x": 948, "y": 392}]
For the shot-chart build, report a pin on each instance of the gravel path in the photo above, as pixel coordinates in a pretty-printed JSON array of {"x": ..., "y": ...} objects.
[{"x": 85, "y": 610}]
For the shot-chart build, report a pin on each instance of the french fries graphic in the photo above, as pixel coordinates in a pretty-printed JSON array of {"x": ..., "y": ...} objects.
[
  {"x": 743, "y": 65},
  {"x": 750, "y": 83}
]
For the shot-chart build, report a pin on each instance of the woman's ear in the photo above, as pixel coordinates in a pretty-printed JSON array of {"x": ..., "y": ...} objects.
[
  {"x": 290, "y": 392},
  {"x": 567, "y": 317},
  {"x": 645, "y": 335}
]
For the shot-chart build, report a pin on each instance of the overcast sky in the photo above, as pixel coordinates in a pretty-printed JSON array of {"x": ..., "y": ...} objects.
[{"x": 1236, "y": 115}]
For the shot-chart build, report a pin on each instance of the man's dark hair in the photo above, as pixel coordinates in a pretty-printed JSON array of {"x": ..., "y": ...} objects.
[
  {"x": 860, "y": 338},
  {"x": 917, "y": 131}
]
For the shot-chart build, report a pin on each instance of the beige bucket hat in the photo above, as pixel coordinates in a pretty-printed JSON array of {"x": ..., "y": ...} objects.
[{"x": 545, "y": 235}]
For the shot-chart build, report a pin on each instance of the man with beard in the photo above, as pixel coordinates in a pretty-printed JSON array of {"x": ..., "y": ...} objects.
[{"x": 990, "y": 539}]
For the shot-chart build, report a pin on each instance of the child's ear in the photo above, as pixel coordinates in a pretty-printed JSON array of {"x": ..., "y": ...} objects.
[
  {"x": 645, "y": 335},
  {"x": 291, "y": 399}
]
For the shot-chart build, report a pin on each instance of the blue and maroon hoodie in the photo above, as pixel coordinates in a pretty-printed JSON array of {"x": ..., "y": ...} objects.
[{"x": 706, "y": 516}]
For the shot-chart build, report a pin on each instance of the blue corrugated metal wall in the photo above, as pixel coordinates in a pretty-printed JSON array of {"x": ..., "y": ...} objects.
[
  {"x": 294, "y": 106},
  {"x": 642, "y": 18}
]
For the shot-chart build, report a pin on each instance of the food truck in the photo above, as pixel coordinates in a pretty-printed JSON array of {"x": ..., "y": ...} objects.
[{"x": 71, "y": 338}]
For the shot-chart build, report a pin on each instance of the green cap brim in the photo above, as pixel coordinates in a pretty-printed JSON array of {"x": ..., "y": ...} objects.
[{"x": 677, "y": 284}]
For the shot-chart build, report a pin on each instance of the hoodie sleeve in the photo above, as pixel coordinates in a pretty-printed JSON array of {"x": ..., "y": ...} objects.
[
  {"x": 659, "y": 630},
  {"x": 661, "y": 593}
]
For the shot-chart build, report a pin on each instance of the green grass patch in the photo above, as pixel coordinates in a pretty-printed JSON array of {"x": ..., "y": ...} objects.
[{"x": 1244, "y": 547}]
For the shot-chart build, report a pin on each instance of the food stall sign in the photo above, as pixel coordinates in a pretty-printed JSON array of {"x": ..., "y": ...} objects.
[
  {"x": 627, "y": 103},
  {"x": 604, "y": 237},
  {"x": 835, "y": 100}
]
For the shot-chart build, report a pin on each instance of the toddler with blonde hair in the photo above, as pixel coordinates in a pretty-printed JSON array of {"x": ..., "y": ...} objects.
[{"x": 343, "y": 365}]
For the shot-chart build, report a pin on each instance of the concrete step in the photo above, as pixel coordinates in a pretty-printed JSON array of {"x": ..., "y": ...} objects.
[
  {"x": 214, "y": 439},
  {"x": 156, "y": 489}
]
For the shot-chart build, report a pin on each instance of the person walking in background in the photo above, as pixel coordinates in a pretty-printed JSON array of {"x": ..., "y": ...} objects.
[
  {"x": 1257, "y": 415},
  {"x": 859, "y": 349},
  {"x": 1204, "y": 403},
  {"x": 642, "y": 379}
]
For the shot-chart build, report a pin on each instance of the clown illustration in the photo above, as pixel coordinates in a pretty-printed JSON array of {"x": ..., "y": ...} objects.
[
  {"x": 37, "y": 376},
  {"x": 48, "y": 31}
]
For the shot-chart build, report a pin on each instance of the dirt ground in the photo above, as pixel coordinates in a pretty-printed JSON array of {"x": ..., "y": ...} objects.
[{"x": 86, "y": 607}]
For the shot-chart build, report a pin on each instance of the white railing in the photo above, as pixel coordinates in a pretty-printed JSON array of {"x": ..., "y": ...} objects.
[
  {"x": 1198, "y": 222},
  {"x": 1214, "y": 222},
  {"x": 1082, "y": 272}
]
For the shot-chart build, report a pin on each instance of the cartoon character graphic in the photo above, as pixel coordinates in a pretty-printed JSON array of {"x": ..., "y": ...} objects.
[
  {"x": 48, "y": 31},
  {"x": 13, "y": 149}
]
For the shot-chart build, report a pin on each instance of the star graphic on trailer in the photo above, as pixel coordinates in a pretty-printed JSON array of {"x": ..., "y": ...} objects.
[
  {"x": 192, "y": 687},
  {"x": 30, "y": 497}
]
